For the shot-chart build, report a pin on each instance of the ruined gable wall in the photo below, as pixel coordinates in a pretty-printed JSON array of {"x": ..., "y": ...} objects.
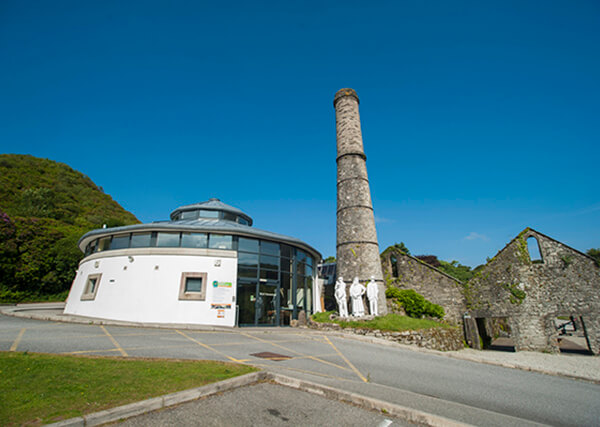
[
  {"x": 434, "y": 285},
  {"x": 534, "y": 294}
]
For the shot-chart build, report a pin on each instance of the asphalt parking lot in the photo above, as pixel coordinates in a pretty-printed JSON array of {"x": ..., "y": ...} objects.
[{"x": 456, "y": 389}]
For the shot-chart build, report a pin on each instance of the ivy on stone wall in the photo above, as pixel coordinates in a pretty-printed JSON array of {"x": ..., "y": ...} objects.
[
  {"x": 517, "y": 295},
  {"x": 414, "y": 303}
]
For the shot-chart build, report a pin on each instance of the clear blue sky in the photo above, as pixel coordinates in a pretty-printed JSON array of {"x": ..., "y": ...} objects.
[{"x": 479, "y": 118}]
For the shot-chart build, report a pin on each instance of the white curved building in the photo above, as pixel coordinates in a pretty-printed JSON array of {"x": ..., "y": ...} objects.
[{"x": 206, "y": 266}]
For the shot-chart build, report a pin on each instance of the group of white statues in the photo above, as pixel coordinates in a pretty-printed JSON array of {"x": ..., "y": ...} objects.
[{"x": 356, "y": 292}]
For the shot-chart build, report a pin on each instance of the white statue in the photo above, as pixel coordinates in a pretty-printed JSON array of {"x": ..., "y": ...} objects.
[
  {"x": 372, "y": 294},
  {"x": 340, "y": 297},
  {"x": 356, "y": 292}
]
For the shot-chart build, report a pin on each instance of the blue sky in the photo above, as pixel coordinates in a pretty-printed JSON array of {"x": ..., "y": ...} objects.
[{"x": 479, "y": 118}]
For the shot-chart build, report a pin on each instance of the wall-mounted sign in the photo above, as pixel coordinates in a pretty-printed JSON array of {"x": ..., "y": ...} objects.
[
  {"x": 217, "y": 284},
  {"x": 220, "y": 306},
  {"x": 220, "y": 314}
]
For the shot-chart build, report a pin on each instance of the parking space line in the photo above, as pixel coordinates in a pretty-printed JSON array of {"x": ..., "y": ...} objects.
[
  {"x": 294, "y": 351},
  {"x": 114, "y": 341},
  {"x": 15, "y": 344},
  {"x": 110, "y": 350},
  {"x": 361, "y": 376},
  {"x": 208, "y": 347},
  {"x": 304, "y": 371}
]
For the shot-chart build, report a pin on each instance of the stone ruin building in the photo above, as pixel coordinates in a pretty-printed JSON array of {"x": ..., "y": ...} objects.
[
  {"x": 407, "y": 272},
  {"x": 534, "y": 293},
  {"x": 528, "y": 288},
  {"x": 531, "y": 291}
]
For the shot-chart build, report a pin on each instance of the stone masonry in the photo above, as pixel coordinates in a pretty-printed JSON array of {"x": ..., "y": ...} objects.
[
  {"x": 357, "y": 249},
  {"x": 530, "y": 294},
  {"x": 406, "y": 272}
]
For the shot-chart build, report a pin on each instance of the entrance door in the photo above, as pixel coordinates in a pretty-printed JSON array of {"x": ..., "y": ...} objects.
[{"x": 258, "y": 303}]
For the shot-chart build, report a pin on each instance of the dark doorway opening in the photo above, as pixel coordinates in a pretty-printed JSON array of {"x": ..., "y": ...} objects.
[
  {"x": 572, "y": 335},
  {"x": 495, "y": 334}
]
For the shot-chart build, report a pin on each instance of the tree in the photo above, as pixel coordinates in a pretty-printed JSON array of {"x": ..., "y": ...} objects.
[
  {"x": 429, "y": 259},
  {"x": 402, "y": 248},
  {"x": 329, "y": 260},
  {"x": 457, "y": 270},
  {"x": 595, "y": 253}
]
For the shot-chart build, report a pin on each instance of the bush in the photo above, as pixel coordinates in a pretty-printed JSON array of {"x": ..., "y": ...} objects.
[{"x": 414, "y": 303}]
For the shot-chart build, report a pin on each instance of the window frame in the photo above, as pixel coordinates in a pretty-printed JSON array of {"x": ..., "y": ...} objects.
[
  {"x": 86, "y": 295},
  {"x": 193, "y": 296}
]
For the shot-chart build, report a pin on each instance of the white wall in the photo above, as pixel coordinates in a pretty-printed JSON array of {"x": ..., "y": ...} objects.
[{"x": 138, "y": 291}]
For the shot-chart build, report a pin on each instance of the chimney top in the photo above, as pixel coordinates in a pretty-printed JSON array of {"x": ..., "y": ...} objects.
[{"x": 344, "y": 92}]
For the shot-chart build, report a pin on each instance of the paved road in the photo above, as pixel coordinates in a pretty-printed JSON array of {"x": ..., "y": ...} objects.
[
  {"x": 457, "y": 389},
  {"x": 264, "y": 405}
]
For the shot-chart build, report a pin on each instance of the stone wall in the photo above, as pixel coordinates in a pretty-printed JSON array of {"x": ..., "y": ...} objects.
[
  {"x": 435, "y": 285},
  {"x": 443, "y": 339},
  {"x": 531, "y": 294}
]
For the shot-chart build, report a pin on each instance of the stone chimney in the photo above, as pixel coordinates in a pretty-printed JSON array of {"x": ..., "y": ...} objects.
[{"x": 357, "y": 250}]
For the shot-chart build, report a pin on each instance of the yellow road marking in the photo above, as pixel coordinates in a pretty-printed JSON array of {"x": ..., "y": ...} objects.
[
  {"x": 294, "y": 351},
  {"x": 346, "y": 360},
  {"x": 208, "y": 347},
  {"x": 304, "y": 371},
  {"x": 114, "y": 341},
  {"x": 17, "y": 340},
  {"x": 110, "y": 350}
]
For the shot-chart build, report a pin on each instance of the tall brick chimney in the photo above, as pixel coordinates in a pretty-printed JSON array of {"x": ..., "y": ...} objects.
[{"x": 357, "y": 250}]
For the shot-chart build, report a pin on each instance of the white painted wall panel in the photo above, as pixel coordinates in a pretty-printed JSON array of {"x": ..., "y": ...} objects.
[{"x": 143, "y": 293}]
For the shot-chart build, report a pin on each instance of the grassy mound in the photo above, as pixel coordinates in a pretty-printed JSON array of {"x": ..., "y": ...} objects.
[
  {"x": 389, "y": 322},
  {"x": 41, "y": 388}
]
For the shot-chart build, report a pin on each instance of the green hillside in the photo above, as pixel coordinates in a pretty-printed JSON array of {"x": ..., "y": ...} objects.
[{"x": 45, "y": 207}]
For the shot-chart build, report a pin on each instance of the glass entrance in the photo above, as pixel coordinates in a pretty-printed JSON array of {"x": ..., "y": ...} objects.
[{"x": 258, "y": 303}]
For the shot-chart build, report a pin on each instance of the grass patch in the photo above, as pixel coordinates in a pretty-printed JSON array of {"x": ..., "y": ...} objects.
[
  {"x": 40, "y": 388},
  {"x": 389, "y": 322}
]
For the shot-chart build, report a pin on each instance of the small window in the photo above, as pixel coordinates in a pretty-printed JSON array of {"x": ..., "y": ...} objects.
[
  {"x": 242, "y": 221},
  {"x": 193, "y": 286},
  {"x": 394, "y": 262},
  {"x": 91, "y": 287},
  {"x": 535, "y": 254}
]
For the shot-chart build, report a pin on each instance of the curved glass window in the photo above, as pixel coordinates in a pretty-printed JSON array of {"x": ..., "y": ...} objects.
[
  {"x": 103, "y": 244},
  {"x": 194, "y": 240},
  {"x": 247, "y": 245},
  {"x": 270, "y": 262},
  {"x": 220, "y": 241},
  {"x": 189, "y": 215},
  {"x": 140, "y": 240},
  {"x": 229, "y": 216},
  {"x": 248, "y": 259},
  {"x": 208, "y": 214},
  {"x": 167, "y": 240},
  {"x": 242, "y": 221},
  {"x": 120, "y": 242},
  {"x": 269, "y": 248}
]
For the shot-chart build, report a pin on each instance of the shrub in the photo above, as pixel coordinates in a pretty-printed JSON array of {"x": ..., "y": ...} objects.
[{"x": 414, "y": 303}]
